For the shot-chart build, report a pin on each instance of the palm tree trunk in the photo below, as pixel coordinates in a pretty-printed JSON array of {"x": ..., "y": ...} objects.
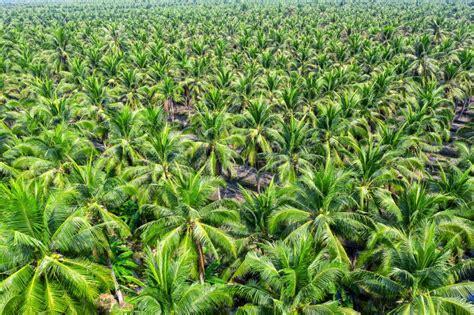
[
  {"x": 218, "y": 172},
  {"x": 200, "y": 261},
  {"x": 463, "y": 108},
  {"x": 117, "y": 290},
  {"x": 171, "y": 102},
  {"x": 258, "y": 182},
  {"x": 257, "y": 175}
]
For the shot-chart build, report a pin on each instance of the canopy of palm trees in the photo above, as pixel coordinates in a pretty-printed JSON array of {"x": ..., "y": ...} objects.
[{"x": 236, "y": 157}]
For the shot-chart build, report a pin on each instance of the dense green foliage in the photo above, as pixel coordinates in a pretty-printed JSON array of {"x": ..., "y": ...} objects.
[{"x": 236, "y": 158}]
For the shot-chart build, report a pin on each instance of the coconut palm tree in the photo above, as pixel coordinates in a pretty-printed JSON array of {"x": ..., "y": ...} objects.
[
  {"x": 418, "y": 276},
  {"x": 257, "y": 121},
  {"x": 94, "y": 196},
  {"x": 56, "y": 110},
  {"x": 376, "y": 168},
  {"x": 413, "y": 206},
  {"x": 45, "y": 250},
  {"x": 289, "y": 278},
  {"x": 212, "y": 147},
  {"x": 408, "y": 213},
  {"x": 186, "y": 217},
  {"x": 168, "y": 287},
  {"x": 162, "y": 154},
  {"x": 323, "y": 209},
  {"x": 48, "y": 155},
  {"x": 291, "y": 155},
  {"x": 291, "y": 101},
  {"x": 121, "y": 147},
  {"x": 257, "y": 208},
  {"x": 171, "y": 93},
  {"x": 151, "y": 120},
  {"x": 455, "y": 184}
]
